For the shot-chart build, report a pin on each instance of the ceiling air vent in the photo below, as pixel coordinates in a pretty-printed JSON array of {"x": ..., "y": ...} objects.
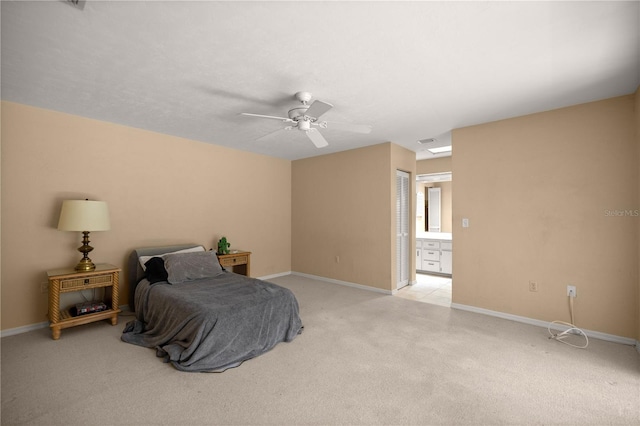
[{"x": 435, "y": 147}]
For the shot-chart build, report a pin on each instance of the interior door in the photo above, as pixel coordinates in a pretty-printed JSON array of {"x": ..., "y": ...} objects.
[{"x": 402, "y": 229}]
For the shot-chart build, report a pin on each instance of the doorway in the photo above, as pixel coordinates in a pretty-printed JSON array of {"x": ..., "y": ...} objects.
[
  {"x": 432, "y": 289},
  {"x": 433, "y": 223}
]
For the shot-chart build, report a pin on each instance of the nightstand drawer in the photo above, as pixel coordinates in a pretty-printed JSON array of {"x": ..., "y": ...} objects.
[
  {"x": 87, "y": 282},
  {"x": 236, "y": 260}
]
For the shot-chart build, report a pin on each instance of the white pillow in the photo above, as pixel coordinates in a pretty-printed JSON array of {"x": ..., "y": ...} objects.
[{"x": 144, "y": 259}]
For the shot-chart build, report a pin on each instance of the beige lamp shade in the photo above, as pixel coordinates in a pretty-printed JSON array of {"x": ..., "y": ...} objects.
[{"x": 84, "y": 215}]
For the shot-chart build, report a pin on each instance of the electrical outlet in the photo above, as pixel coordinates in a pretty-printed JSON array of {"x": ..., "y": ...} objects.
[
  {"x": 337, "y": 259},
  {"x": 44, "y": 287},
  {"x": 571, "y": 291},
  {"x": 533, "y": 286}
]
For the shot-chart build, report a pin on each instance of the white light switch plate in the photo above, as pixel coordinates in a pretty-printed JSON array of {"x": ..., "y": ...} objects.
[{"x": 465, "y": 222}]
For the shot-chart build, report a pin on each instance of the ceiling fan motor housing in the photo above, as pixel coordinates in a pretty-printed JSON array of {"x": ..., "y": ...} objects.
[
  {"x": 303, "y": 97},
  {"x": 298, "y": 112}
]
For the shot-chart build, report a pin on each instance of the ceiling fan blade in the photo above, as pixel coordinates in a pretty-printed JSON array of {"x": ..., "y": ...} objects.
[
  {"x": 271, "y": 133},
  {"x": 318, "y": 108},
  {"x": 267, "y": 116},
  {"x": 348, "y": 127},
  {"x": 318, "y": 140}
]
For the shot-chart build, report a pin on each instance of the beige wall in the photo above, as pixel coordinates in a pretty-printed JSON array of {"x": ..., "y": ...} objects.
[
  {"x": 160, "y": 189},
  {"x": 435, "y": 165},
  {"x": 344, "y": 207},
  {"x": 539, "y": 192},
  {"x": 535, "y": 189}
]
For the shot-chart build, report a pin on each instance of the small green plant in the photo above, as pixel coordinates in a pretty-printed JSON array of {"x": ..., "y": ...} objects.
[{"x": 223, "y": 246}]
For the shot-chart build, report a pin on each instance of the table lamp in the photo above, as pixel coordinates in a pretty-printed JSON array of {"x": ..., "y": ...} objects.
[{"x": 84, "y": 216}]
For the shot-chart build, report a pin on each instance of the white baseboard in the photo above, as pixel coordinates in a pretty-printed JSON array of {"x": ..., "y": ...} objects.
[
  {"x": 545, "y": 324},
  {"x": 31, "y": 327},
  {"x": 268, "y": 277},
  {"x": 517, "y": 318},
  {"x": 345, "y": 283},
  {"x": 23, "y": 329}
]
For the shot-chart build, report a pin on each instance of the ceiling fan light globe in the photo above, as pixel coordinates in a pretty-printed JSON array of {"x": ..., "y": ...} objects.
[{"x": 304, "y": 125}]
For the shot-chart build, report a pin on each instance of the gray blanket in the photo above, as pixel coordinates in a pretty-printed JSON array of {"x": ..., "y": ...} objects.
[{"x": 212, "y": 324}]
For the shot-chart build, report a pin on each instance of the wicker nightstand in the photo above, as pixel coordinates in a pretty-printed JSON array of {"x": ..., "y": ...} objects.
[
  {"x": 237, "y": 261},
  {"x": 69, "y": 280}
]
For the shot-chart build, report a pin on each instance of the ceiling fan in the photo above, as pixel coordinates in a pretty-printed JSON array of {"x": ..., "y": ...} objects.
[{"x": 306, "y": 118}]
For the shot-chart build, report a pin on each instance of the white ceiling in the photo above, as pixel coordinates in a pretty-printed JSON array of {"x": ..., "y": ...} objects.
[{"x": 412, "y": 70}]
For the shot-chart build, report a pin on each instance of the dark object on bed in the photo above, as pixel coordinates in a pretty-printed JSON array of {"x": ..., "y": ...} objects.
[
  {"x": 202, "y": 318},
  {"x": 156, "y": 271}
]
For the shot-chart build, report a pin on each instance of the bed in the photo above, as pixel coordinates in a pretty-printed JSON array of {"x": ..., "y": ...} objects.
[{"x": 200, "y": 317}]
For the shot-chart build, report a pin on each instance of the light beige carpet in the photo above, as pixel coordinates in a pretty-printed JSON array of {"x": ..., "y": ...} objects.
[{"x": 363, "y": 358}]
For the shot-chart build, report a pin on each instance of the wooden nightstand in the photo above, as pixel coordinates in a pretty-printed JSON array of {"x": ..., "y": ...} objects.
[
  {"x": 69, "y": 280},
  {"x": 237, "y": 261}
]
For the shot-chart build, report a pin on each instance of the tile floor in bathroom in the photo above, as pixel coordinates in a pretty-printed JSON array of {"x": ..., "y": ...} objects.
[{"x": 433, "y": 289}]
